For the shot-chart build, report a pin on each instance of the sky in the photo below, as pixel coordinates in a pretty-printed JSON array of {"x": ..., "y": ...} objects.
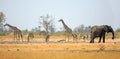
[{"x": 25, "y": 14}]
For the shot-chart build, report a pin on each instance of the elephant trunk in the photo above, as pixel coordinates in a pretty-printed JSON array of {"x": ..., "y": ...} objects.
[{"x": 113, "y": 34}]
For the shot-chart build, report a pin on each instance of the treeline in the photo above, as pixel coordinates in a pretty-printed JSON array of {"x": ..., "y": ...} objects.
[
  {"x": 79, "y": 29},
  {"x": 82, "y": 29},
  {"x": 47, "y": 23}
]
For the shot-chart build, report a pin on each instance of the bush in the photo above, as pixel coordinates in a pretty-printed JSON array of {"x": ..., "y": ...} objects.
[
  {"x": 2, "y": 34},
  {"x": 118, "y": 30}
]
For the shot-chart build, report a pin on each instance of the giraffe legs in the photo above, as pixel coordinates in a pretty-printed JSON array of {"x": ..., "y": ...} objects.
[
  {"x": 28, "y": 39},
  {"x": 74, "y": 36},
  {"x": 68, "y": 36},
  {"x": 15, "y": 36},
  {"x": 21, "y": 37},
  {"x": 65, "y": 36}
]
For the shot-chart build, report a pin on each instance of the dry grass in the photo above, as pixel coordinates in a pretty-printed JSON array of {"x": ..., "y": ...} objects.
[
  {"x": 60, "y": 51},
  {"x": 58, "y": 55},
  {"x": 52, "y": 37},
  {"x": 60, "y": 46},
  {"x": 80, "y": 50}
]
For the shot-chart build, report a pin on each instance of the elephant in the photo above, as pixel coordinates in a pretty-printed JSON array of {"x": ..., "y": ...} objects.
[{"x": 100, "y": 31}]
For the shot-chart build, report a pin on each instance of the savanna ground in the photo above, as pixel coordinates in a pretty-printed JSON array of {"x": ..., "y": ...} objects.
[{"x": 38, "y": 49}]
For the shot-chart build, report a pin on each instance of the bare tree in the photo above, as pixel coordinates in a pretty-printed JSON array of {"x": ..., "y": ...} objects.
[
  {"x": 2, "y": 20},
  {"x": 52, "y": 27},
  {"x": 47, "y": 23},
  {"x": 2, "y": 17}
]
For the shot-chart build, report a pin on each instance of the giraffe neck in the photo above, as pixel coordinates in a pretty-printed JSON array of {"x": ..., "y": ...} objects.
[
  {"x": 64, "y": 24},
  {"x": 12, "y": 27},
  {"x": 66, "y": 27}
]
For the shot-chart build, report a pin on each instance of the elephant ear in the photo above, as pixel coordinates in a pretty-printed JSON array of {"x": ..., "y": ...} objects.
[
  {"x": 106, "y": 28},
  {"x": 110, "y": 29}
]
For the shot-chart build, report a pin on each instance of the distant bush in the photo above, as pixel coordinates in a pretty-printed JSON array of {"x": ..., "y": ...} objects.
[
  {"x": 118, "y": 30},
  {"x": 24, "y": 32},
  {"x": 2, "y": 34}
]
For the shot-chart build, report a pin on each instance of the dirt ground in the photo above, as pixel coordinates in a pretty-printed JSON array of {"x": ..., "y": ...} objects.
[
  {"x": 38, "y": 49},
  {"x": 60, "y": 51},
  {"x": 60, "y": 55}
]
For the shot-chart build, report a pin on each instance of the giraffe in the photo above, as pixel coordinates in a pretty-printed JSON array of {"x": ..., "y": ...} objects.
[
  {"x": 68, "y": 31},
  {"x": 45, "y": 35},
  {"x": 75, "y": 36},
  {"x": 42, "y": 33},
  {"x": 84, "y": 36},
  {"x": 30, "y": 36},
  {"x": 17, "y": 32}
]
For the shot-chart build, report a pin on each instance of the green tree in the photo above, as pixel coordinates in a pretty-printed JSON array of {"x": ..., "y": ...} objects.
[{"x": 25, "y": 31}]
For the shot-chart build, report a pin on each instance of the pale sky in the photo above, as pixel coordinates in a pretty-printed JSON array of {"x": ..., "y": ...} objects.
[{"x": 25, "y": 13}]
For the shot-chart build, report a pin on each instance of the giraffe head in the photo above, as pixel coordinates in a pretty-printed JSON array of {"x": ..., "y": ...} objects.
[
  {"x": 6, "y": 24},
  {"x": 60, "y": 20}
]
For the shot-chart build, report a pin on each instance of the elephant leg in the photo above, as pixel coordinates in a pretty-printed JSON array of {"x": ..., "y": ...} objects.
[
  {"x": 92, "y": 40},
  {"x": 103, "y": 39},
  {"x": 99, "y": 40}
]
